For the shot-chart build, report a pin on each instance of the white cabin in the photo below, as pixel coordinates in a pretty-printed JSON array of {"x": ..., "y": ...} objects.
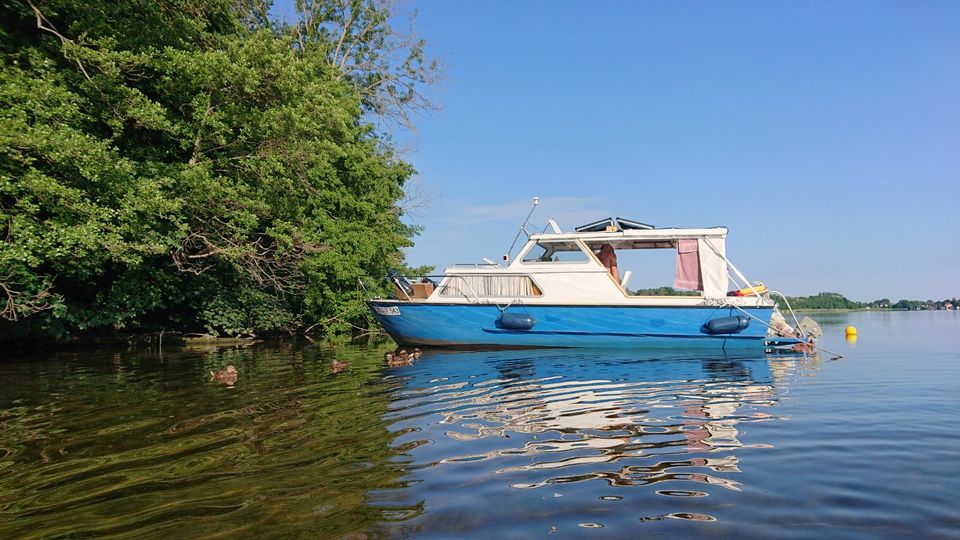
[{"x": 562, "y": 268}]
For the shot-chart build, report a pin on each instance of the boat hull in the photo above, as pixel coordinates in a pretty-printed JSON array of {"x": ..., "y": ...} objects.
[{"x": 476, "y": 325}]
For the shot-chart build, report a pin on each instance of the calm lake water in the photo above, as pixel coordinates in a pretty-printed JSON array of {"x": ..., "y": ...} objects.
[{"x": 518, "y": 444}]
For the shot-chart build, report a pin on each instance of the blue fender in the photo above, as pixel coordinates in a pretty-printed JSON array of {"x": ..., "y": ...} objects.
[
  {"x": 516, "y": 321},
  {"x": 726, "y": 325}
]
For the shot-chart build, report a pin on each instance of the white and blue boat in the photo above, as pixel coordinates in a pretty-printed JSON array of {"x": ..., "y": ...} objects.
[{"x": 557, "y": 293}]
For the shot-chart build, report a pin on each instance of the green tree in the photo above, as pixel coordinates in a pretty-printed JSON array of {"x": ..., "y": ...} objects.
[
  {"x": 387, "y": 68},
  {"x": 165, "y": 163}
]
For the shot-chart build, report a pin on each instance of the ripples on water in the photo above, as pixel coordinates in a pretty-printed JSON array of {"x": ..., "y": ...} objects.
[
  {"x": 548, "y": 440},
  {"x": 484, "y": 444}
]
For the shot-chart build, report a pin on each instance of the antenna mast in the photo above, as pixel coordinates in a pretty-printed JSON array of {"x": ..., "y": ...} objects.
[{"x": 523, "y": 229}]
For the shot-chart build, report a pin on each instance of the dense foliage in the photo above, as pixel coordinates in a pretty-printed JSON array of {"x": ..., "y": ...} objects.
[{"x": 175, "y": 164}]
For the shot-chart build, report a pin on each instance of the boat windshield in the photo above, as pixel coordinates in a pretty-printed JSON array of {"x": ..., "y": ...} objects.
[{"x": 558, "y": 251}]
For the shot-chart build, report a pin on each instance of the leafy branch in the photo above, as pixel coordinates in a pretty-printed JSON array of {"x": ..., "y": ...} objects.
[
  {"x": 47, "y": 26},
  {"x": 20, "y": 304},
  {"x": 261, "y": 259}
]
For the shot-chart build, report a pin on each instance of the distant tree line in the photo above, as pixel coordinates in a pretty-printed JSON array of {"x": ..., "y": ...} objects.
[
  {"x": 950, "y": 303},
  {"x": 664, "y": 291},
  {"x": 824, "y": 300},
  {"x": 197, "y": 165},
  {"x": 830, "y": 300}
]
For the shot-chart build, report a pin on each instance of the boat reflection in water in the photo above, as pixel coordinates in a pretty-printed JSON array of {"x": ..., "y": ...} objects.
[{"x": 489, "y": 437}]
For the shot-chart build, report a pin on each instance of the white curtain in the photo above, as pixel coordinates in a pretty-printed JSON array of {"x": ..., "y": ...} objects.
[
  {"x": 487, "y": 285},
  {"x": 713, "y": 267}
]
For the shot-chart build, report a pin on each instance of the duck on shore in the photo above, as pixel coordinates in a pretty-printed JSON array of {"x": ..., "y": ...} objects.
[{"x": 227, "y": 375}]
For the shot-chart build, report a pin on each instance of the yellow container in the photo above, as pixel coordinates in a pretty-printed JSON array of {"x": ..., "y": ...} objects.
[{"x": 750, "y": 291}]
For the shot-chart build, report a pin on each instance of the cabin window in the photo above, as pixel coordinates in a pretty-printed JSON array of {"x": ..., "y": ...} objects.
[
  {"x": 659, "y": 268},
  {"x": 555, "y": 252},
  {"x": 469, "y": 286}
]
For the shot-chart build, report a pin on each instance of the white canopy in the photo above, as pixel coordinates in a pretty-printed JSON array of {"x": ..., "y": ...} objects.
[{"x": 711, "y": 248}]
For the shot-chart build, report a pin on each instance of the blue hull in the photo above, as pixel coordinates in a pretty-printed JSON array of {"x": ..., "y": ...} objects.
[{"x": 566, "y": 326}]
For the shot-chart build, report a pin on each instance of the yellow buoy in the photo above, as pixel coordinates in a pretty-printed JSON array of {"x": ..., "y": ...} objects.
[{"x": 851, "y": 331}]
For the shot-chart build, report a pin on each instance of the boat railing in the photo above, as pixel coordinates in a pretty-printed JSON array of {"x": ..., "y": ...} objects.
[
  {"x": 433, "y": 279},
  {"x": 737, "y": 276},
  {"x": 490, "y": 287},
  {"x": 476, "y": 287},
  {"x": 475, "y": 265},
  {"x": 476, "y": 297},
  {"x": 755, "y": 291}
]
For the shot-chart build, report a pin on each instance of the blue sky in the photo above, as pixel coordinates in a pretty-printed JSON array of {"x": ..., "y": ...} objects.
[{"x": 825, "y": 135}]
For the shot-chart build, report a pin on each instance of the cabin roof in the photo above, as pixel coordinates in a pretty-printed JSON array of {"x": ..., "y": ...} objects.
[
  {"x": 634, "y": 234},
  {"x": 618, "y": 223}
]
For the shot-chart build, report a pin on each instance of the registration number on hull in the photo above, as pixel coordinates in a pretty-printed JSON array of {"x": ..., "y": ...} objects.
[{"x": 390, "y": 311}]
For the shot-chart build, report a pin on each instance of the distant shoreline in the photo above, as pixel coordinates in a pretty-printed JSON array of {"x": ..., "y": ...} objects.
[
  {"x": 836, "y": 301},
  {"x": 844, "y": 310}
]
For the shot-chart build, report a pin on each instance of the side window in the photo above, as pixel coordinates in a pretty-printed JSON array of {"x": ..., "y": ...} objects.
[
  {"x": 654, "y": 270},
  {"x": 558, "y": 252},
  {"x": 536, "y": 254}
]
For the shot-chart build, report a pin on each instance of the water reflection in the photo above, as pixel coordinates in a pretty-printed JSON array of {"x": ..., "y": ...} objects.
[
  {"x": 140, "y": 444},
  {"x": 578, "y": 423},
  {"x": 459, "y": 443}
]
